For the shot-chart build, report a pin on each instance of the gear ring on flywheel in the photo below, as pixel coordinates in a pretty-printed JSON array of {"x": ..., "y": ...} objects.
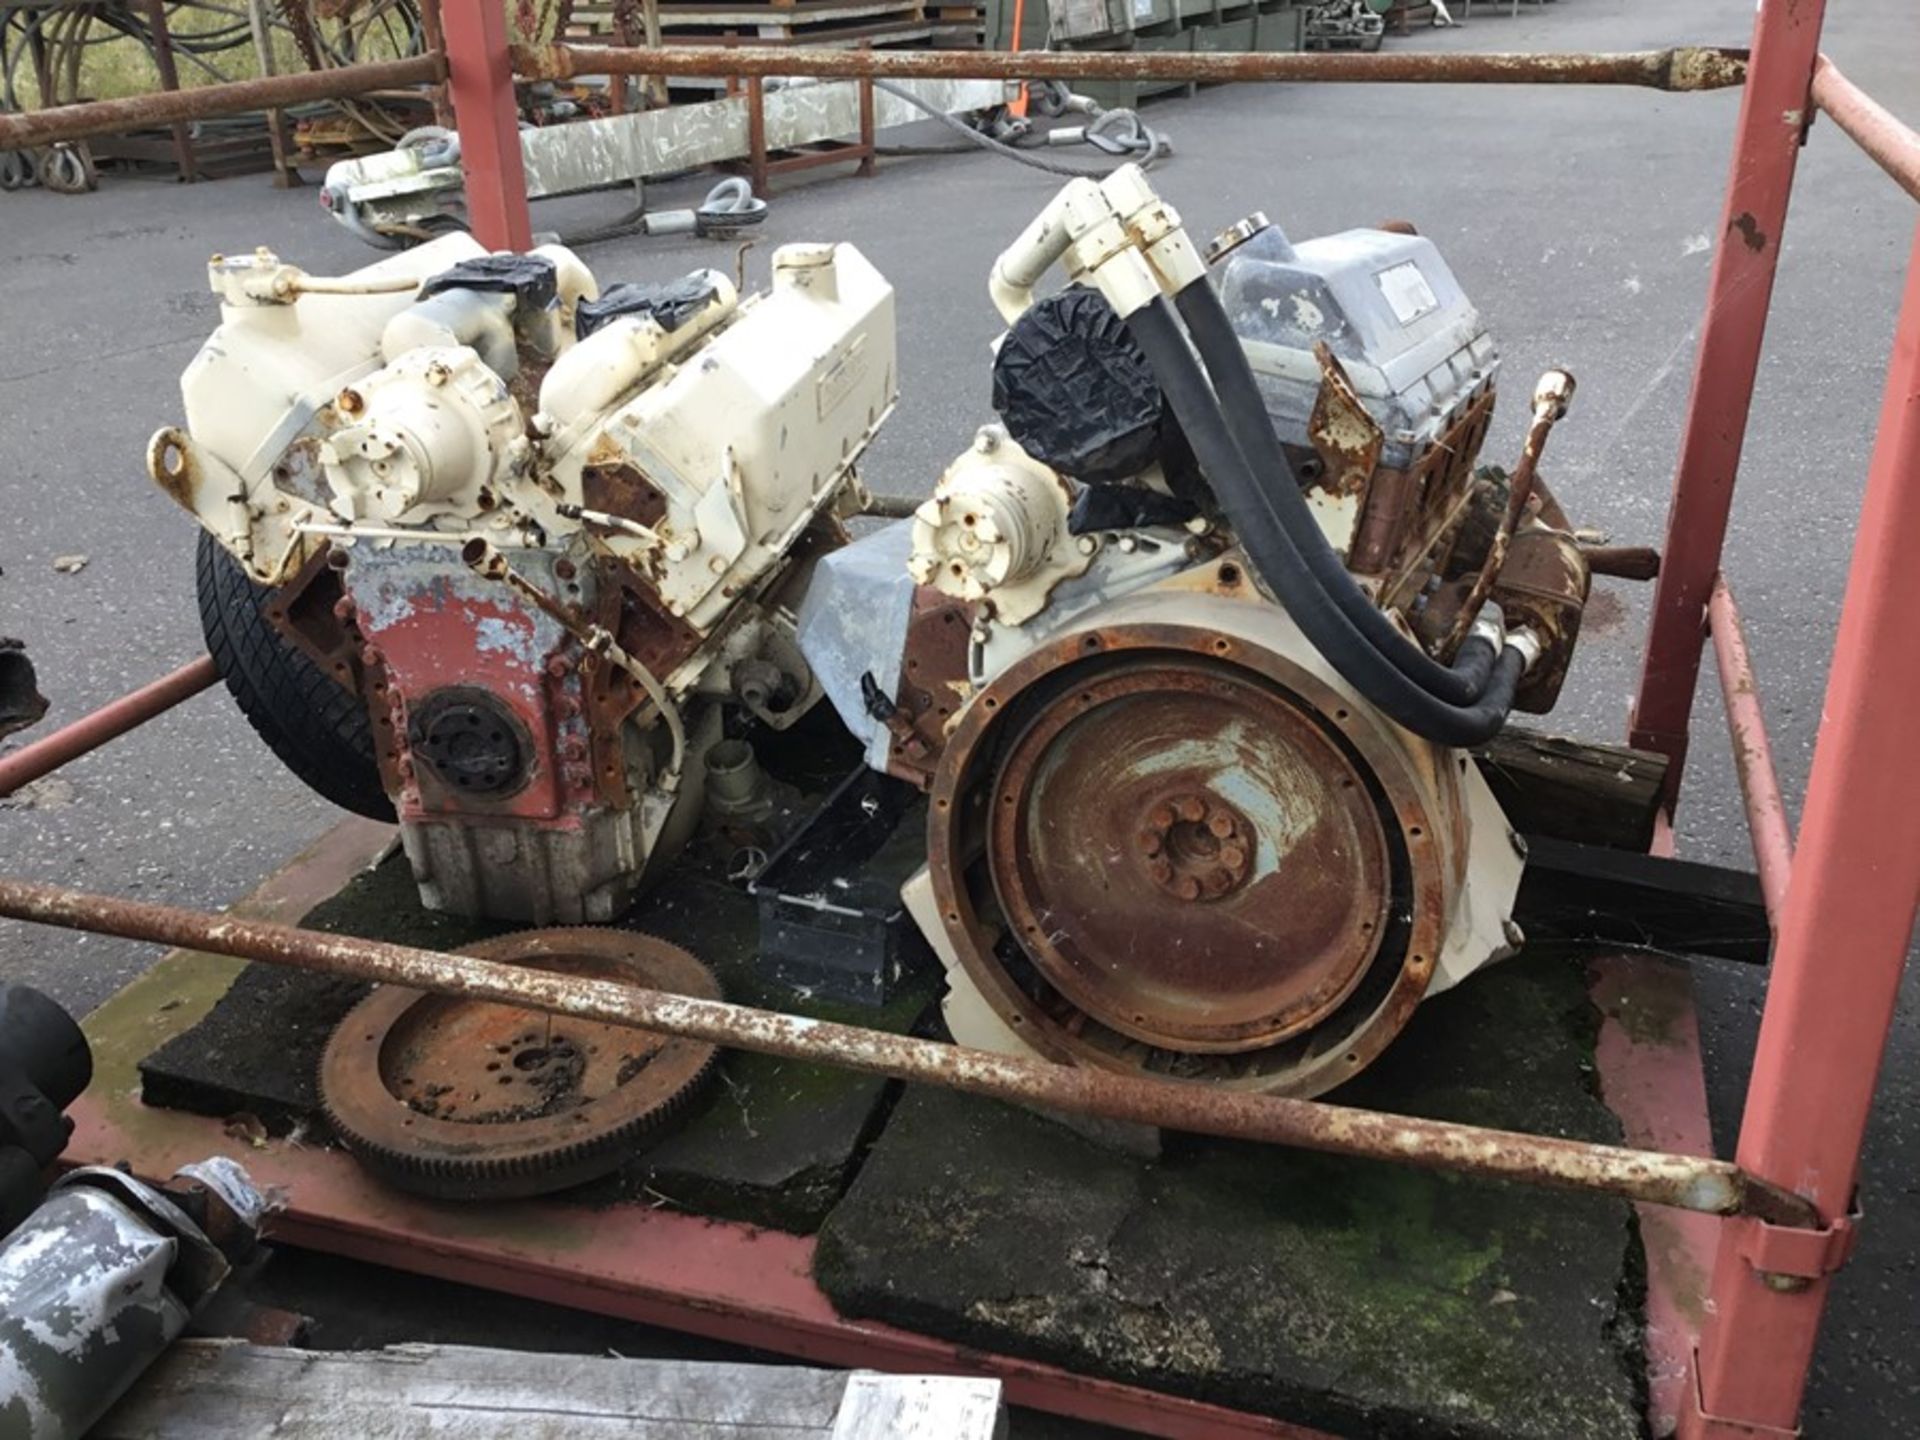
[{"x": 464, "y": 1099}]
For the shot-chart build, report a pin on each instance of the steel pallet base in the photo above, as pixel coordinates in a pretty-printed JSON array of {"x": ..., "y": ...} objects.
[{"x": 742, "y": 1285}]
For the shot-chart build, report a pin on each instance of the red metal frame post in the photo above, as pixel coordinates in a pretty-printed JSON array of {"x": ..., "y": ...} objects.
[
  {"x": 480, "y": 80},
  {"x": 1773, "y": 116},
  {"x": 1843, "y": 937}
]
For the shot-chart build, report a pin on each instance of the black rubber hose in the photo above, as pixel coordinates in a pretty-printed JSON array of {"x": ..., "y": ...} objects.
[
  {"x": 1465, "y": 680},
  {"x": 1274, "y": 555}
]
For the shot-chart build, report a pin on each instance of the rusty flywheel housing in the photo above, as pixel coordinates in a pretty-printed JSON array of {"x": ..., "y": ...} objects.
[
  {"x": 468, "y": 1099},
  {"x": 1162, "y": 848}
]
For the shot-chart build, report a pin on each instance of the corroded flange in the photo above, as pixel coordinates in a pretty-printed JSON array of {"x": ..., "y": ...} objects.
[
  {"x": 1319, "y": 915},
  {"x": 470, "y": 1100}
]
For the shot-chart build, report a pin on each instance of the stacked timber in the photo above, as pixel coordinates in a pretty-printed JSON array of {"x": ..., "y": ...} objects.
[{"x": 844, "y": 24}]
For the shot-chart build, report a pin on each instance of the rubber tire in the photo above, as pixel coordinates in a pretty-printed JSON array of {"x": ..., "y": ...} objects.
[{"x": 319, "y": 730}]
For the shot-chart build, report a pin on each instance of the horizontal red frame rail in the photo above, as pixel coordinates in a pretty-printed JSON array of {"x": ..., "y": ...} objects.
[
  {"x": 115, "y": 718},
  {"x": 1893, "y": 146}
]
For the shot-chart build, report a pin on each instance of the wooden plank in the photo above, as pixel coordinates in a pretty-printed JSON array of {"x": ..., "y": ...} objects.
[
  {"x": 229, "y": 1390},
  {"x": 1584, "y": 893},
  {"x": 1573, "y": 789}
]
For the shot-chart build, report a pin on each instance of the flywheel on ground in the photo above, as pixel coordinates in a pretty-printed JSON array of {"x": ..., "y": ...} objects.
[{"x": 472, "y": 1100}]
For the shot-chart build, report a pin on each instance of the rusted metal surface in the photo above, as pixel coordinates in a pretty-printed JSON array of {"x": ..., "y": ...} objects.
[
  {"x": 1706, "y": 1185},
  {"x": 1018, "y": 970},
  {"x": 469, "y": 1099},
  {"x": 1891, "y": 144},
  {"x": 1550, "y": 398},
  {"x": 1767, "y": 819},
  {"x": 314, "y": 612},
  {"x": 1186, "y": 856},
  {"x": 933, "y": 682},
  {"x": 1684, "y": 69},
  {"x": 1349, "y": 441},
  {"x": 1623, "y": 562},
  {"x": 28, "y": 129},
  {"x": 1543, "y": 586},
  {"x": 1413, "y": 517},
  {"x": 115, "y": 718}
]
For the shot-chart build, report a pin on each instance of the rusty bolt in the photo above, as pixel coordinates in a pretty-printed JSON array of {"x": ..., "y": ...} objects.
[
  {"x": 1233, "y": 857},
  {"x": 1221, "y": 824},
  {"x": 1187, "y": 888},
  {"x": 1162, "y": 817},
  {"x": 370, "y": 654},
  {"x": 1193, "y": 809},
  {"x": 350, "y": 402},
  {"x": 559, "y": 667},
  {"x": 1149, "y": 841},
  {"x": 343, "y": 608},
  {"x": 563, "y": 568}
]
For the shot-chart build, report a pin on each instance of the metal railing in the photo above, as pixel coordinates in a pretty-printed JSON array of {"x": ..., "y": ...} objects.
[{"x": 1854, "y": 869}]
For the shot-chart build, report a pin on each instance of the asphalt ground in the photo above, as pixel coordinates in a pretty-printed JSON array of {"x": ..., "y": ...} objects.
[{"x": 1582, "y": 222}]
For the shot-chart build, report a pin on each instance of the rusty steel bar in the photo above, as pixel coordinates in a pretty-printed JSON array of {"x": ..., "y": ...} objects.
[
  {"x": 1550, "y": 400},
  {"x": 1687, "y": 1182},
  {"x": 1891, "y": 144},
  {"x": 168, "y": 107},
  {"x": 1689, "y": 68},
  {"x": 1752, "y": 750},
  {"x": 115, "y": 718}
]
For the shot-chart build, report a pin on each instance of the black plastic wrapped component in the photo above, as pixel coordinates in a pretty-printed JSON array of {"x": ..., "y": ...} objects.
[
  {"x": 1074, "y": 389},
  {"x": 668, "y": 305},
  {"x": 1126, "y": 507},
  {"x": 44, "y": 1065},
  {"x": 530, "y": 279}
]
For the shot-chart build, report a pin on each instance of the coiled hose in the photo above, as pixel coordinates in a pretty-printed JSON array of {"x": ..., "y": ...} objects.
[
  {"x": 1213, "y": 334},
  {"x": 1271, "y": 550}
]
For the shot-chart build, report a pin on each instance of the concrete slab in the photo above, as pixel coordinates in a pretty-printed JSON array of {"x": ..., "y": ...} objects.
[{"x": 1359, "y": 1297}]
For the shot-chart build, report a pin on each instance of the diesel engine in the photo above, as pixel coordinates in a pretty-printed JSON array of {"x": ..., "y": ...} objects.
[
  {"x": 546, "y": 531},
  {"x": 1189, "y": 648}
]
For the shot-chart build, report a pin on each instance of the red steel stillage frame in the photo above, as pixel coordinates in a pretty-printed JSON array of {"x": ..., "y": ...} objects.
[
  {"x": 1842, "y": 895},
  {"x": 1857, "y": 873}
]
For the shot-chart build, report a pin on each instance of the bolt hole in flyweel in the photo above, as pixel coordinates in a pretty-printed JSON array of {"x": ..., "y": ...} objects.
[{"x": 1213, "y": 609}]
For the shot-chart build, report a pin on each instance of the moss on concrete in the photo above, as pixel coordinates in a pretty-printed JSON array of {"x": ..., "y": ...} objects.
[
  {"x": 1365, "y": 1298},
  {"x": 773, "y": 1143}
]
